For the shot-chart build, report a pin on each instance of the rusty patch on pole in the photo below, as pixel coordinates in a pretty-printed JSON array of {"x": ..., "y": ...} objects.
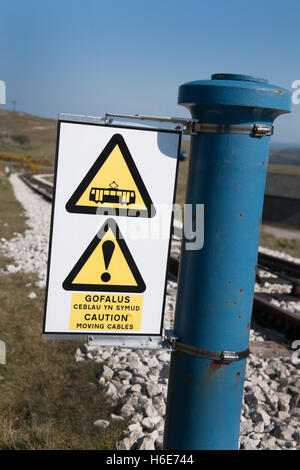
[{"x": 215, "y": 365}]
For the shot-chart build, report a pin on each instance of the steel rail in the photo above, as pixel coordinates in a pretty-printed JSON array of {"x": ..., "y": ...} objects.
[{"x": 263, "y": 312}]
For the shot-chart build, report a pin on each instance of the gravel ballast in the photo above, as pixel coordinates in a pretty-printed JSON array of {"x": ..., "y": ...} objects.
[
  {"x": 29, "y": 250},
  {"x": 136, "y": 380}
]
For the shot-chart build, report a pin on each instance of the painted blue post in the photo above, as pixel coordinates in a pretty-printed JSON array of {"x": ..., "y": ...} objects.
[{"x": 216, "y": 284}]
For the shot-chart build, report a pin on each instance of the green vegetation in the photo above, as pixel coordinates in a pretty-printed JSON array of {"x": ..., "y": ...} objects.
[
  {"x": 11, "y": 212},
  {"x": 285, "y": 156},
  {"x": 284, "y": 169},
  {"x": 27, "y": 163},
  {"x": 181, "y": 181},
  {"x": 47, "y": 400},
  {"x": 292, "y": 247},
  {"x": 26, "y": 135},
  {"x": 40, "y": 150}
]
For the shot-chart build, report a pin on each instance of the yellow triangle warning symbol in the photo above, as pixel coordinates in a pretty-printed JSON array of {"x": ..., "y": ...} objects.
[
  {"x": 113, "y": 185},
  {"x": 106, "y": 265}
]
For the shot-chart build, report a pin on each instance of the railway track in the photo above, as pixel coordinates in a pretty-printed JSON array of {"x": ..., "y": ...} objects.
[
  {"x": 278, "y": 323},
  {"x": 282, "y": 268},
  {"x": 41, "y": 187}
]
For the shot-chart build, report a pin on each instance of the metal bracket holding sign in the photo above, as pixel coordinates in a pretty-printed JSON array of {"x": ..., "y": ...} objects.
[
  {"x": 111, "y": 228},
  {"x": 185, "y": 125},
  {"x": 194, "y": 126},
  {"x": 129, "y": 342}
]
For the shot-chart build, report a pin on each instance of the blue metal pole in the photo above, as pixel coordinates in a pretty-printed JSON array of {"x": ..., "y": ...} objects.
[{"x": 216, "y": 284}]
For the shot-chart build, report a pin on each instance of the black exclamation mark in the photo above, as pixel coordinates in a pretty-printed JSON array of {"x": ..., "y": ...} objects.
[{"x": 108, "y": 248}]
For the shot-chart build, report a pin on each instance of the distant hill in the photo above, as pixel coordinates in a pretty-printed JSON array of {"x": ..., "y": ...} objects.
[
  {"x": 280, "y": 154},
  {"x": 25, "y": 134},
  {"x": 287, "y": 156},
  {"x": 284, "y": 145}
]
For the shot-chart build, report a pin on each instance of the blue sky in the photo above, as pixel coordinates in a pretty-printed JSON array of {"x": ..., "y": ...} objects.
[{"x": 95, "y": 56}]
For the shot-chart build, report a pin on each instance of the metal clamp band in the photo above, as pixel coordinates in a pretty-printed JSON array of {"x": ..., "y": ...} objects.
[
  {"x": 255, "y": 130},
  {"x": 185, "y": 125},
  {"x": 223, "y": 357}
]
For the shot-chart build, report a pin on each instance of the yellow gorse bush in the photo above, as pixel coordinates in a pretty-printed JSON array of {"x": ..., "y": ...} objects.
[{"x": 28, "y": 162}]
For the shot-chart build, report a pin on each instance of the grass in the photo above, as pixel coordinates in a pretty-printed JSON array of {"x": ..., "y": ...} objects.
[
  {"x": 39, "y": 132},
  {"x": 292, "y": 247},
  {"x": 48, "y": 401},
  {"x": 181, "y": 182},
  {"x": 11, "y": 212},
  {"x": 284, "y": 169},
  {"x": 34, "y": 149}
]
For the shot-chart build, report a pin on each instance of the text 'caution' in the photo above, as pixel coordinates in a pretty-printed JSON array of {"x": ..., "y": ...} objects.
[{"x": 106, "y": 312}]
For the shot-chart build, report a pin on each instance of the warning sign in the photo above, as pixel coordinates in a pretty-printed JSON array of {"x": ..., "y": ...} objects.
[
  {"x": 113, "y": 182},
  {"x": 111, "y": 223},
  {"x": 106, "y": 265}
]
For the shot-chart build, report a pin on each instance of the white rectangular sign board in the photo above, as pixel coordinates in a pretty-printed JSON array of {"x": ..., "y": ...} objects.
[{"x": 111, "y": 230}]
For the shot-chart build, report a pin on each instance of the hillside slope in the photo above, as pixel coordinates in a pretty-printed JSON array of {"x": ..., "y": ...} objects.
[{"x": 25, "y": 134}]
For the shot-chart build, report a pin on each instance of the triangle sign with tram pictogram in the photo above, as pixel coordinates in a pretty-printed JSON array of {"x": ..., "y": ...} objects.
[
  {"x": 106, "y": 265},
  {"x": 113, "y": 185}
]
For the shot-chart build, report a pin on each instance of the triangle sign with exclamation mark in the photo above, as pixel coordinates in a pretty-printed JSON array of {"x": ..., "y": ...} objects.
[{"x": 106, "y": 265}]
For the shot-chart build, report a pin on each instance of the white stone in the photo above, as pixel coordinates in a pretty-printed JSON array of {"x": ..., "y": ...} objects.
[
  {"x": 110, "y": 390},
  {"x": 284, "y": 401},
  {"x": 135, "y": 427},
  {"x": 135, "y": 388},
  {"x": 101, "y": 423},
  {"x": 126, "y": 410},
  {"x": 106, "y": 372},
  {"x": 153, "y": 389},
  {"x": 32, "y": 295},
  {"x": 149, "y": 424},
  {"x": 246, "y": 427},
  {"x": 124, "y": 374},
  {"x": 147, "y": 443},
  {"x": 116, "y": 418},
  {"x": 124, "y": 444},
  {"x": 150, "y": 411}
]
